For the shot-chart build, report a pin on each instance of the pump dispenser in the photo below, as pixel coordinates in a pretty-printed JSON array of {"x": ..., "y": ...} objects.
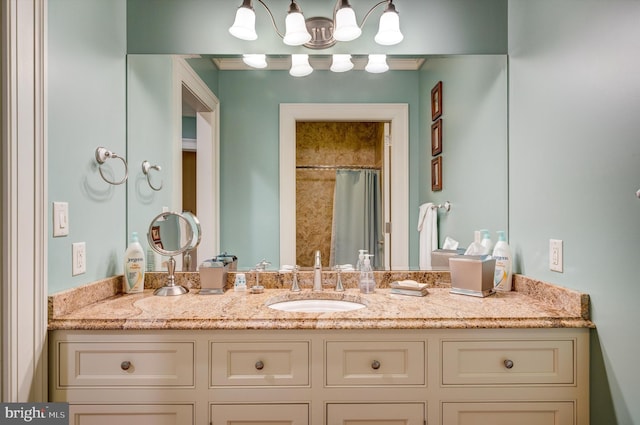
[
  {"x": 367, "y": 282},
  {"x": 486, "y": 240},
  {"x": 503, "y": 272},
  {"x": 134, "y": 266},
  {"x": 360, "y": 262}
]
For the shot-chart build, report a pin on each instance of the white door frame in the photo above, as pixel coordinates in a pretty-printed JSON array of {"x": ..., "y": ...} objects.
[
  {"x": 23, "y": 180},
  {"x": 398, "y": 115},
  {"x": 208, "y": 153}
]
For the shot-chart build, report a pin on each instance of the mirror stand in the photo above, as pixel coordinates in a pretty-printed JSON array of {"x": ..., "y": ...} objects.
[{"x": 171, "y": 288}]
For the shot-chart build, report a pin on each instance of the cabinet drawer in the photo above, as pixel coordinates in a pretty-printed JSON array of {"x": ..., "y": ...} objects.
[
  {"x": 260, "y": 414},
  {"x": 376, "y": 413},
  {"x": 375, "y": 363},
  {"x": 109, "y": 414},
  {"x": 508, "y": 413},
  {"x": 284, "y": 363},
  {"x": 507, "y": 362},
  {"x": 99, "y": 364}
]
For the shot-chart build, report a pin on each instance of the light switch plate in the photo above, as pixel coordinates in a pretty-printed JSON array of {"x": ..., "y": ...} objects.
[
  {"x": 78, "y": 258},
  {"x": 555, "y": 255},
  {"x": 60, "y": 219}
]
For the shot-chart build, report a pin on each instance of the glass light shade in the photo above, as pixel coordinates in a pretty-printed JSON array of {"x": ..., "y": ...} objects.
[
  {"x": 300, "y": 65},
  {"x": 377, "y": 64},
  {"x": 255, "y": 60},
  {"x": 389, "y": 29},
  {"x": 244, "y": 27},
  {"x": 346, "y": 28},
  {"x": 296, "y": 33},
  {"x": 341, "y": 63}
]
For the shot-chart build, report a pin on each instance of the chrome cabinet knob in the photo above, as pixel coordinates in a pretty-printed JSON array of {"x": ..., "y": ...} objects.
[
  {"x": 375, "y": 365},
  {"x": 259, "y": 365},
  {"x": 508, "y": 364},
  {"x": 125, "y": 365}
]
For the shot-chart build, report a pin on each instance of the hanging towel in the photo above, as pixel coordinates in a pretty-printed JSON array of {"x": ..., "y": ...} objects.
[{"x": 428, "y": 228}]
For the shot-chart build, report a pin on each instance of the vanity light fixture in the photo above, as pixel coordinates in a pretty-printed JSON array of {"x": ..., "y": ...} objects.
[
  {"x": 255, "y": 60},
  {"x": 377, "y": 64},
  {"x": 300, "y": 65},
  {"x": 320, "y": 32},
  {"x": 341, "y": 63}
]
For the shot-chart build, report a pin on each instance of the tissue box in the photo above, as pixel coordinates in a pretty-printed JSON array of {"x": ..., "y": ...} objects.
[
  {"x": 440, "y": 258},
  {"x": 472, "y": 275},
  {"x": 213, "y": 278}
]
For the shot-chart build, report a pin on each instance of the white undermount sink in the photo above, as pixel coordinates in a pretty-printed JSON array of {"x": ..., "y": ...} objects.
[{"x": 316, "y": 305}]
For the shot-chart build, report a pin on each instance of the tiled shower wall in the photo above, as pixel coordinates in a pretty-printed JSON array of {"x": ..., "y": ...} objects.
[{"x": 336, "y": 144}]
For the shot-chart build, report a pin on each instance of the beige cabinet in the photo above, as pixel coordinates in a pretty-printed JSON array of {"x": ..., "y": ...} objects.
[
  {"x": 323, "y": 377},
  {"x": 379, "y": 413},
  {"x": 260, "y": 363},
  {"x": 366, "y": 363},
  {"x": 260, "y": 414},
  {"x": 508, "y": 413},
  {"x": 108, "y": 414}
]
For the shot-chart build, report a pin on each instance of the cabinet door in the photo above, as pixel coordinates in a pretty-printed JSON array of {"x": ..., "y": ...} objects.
[
  {"x": 124, "y": 364},
  {"x": 283, "y": 363},
  {"x": 375, "y": 363},
  {"x": 508, "y": 413},
  {"x": 376, "y": 414},
  {"x": 166, "y": 414},
  {"x": 260, "y": 414},
  {"x": 505, "y": 362}
]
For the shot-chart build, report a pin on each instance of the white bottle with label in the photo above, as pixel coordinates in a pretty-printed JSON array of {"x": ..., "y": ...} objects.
[
  {"x": 134, "y": 266},
  {"x": 503, "y": 273}
]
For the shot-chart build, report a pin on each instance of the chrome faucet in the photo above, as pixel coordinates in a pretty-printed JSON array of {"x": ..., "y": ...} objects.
[{"x": 317, "y": 273}]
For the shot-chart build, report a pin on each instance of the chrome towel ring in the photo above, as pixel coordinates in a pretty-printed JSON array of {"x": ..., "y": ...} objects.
[
  {"x": 102, "y": 154},
  {"x": 146, "y": 168}
]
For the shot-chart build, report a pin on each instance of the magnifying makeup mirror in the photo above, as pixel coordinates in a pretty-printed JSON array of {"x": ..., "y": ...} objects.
[{"x": 171, "y": 234}]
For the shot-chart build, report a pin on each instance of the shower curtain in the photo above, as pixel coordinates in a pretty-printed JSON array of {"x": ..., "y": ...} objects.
[{"x": 357, "y": 217}]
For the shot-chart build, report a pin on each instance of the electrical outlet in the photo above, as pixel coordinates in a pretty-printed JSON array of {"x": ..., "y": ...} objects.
[
  {"x": 78, "y": 258},
  {"x": 60, "y": 219},
  {"x": 555, "y": 255}
]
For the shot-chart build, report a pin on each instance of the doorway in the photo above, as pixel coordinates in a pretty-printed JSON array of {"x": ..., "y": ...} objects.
[
  {"x": 397, "y": 115},
  {"x": 340, "y": 174},
  {"x": 199, "y": 158}
]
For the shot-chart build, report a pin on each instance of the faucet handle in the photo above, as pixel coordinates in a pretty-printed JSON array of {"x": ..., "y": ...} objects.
[{"x": 262, "y": 265}]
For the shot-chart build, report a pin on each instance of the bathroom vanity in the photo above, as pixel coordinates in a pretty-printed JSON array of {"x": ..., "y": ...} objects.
[{"x": 518, "y": 357}]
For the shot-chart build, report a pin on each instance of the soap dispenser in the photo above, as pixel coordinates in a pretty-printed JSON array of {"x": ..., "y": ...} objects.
[
  {"x": 367, "y": 282},
  {"x": 361, "y": 253}
]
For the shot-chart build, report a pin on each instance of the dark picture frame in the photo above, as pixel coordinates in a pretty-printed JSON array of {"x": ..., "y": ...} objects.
[
  {"x": 436, "y": 137},
  {"x": 436, "y": 174},
  {"x": 436, "y": 101}
]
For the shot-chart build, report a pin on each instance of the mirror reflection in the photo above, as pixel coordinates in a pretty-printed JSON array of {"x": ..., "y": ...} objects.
[{"x": 248, "y": 221}]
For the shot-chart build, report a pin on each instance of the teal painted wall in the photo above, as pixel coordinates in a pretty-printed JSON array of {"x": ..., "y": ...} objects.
[
  {"x": 86, "y": 98},
  {"x": 474, "y": 147},
  {"x": 249, "y": 143},
  {"x": 430, "y": 27},
  {"x": 574, "y": 160},
  {"x": 151, "y": 137}
]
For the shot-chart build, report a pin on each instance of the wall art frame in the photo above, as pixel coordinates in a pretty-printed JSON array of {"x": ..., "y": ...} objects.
[
  {"x": 436, "y": 137},
  {"x": 436, "y": 174},
  {"x": 436, "y": 101}
]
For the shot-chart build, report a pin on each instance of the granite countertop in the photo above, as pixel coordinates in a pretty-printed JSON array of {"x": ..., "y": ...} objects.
[{"x": 532, "y": 304}]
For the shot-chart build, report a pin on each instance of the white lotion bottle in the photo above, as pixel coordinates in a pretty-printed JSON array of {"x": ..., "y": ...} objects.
[
  {"x": 134, "y": 266},
  {"x": 367, "y": 282},
  {"x": 502, "y": 278}
]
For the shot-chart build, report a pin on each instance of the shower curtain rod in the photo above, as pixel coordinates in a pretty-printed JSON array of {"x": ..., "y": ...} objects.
[{"x": 336, "y": 167}]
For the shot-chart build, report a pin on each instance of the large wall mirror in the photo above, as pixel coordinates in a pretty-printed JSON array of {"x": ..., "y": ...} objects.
[{"x": 248, "y": 221}]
